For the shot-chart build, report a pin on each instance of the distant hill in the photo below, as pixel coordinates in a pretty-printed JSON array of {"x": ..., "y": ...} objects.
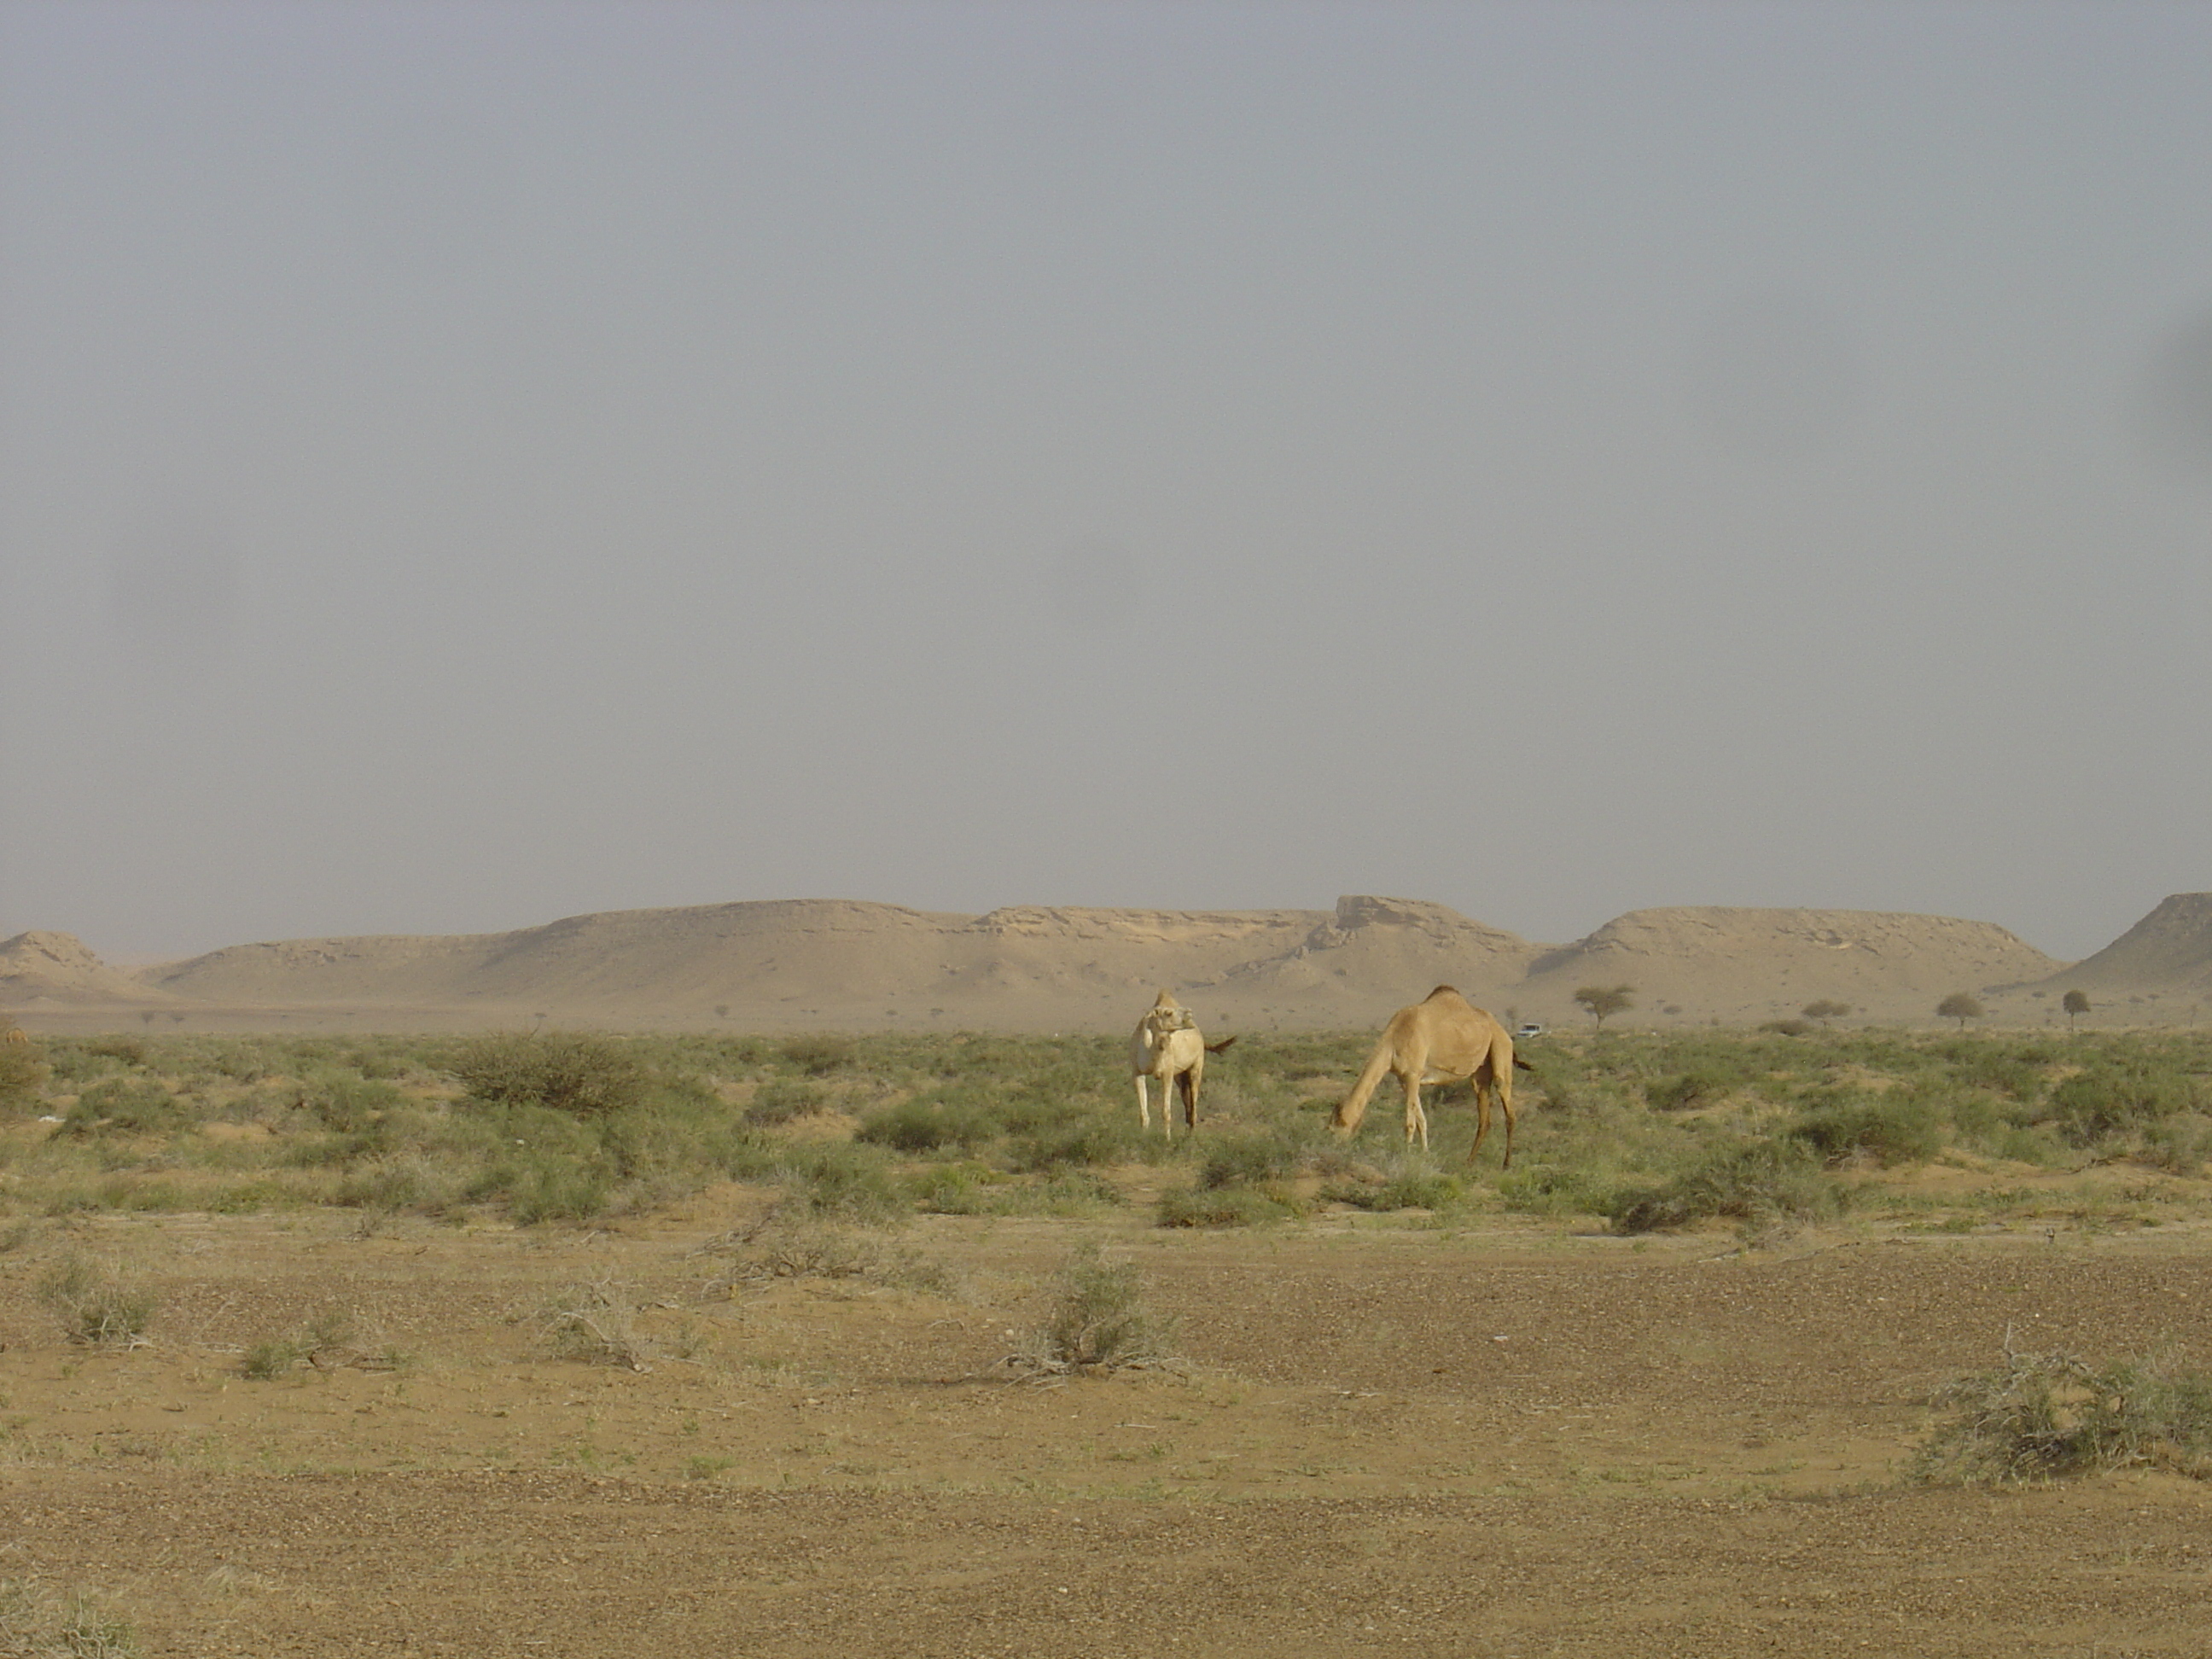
[
  {"x": 40, "y": 969},
  {"x": 2168, "y": 951},
  {"x": 1748, "y": 965},
  {"x": 790, "y": 964},
  {"x": 794, "y": 963}
]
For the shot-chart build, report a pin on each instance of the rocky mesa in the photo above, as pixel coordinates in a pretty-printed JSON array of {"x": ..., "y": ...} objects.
[{"x": 800, "y": 963}]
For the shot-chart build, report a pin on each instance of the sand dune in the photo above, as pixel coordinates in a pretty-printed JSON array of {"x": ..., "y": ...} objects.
[{"x": 797, "y": 963}]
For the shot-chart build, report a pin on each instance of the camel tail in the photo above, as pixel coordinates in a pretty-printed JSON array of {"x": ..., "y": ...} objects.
[
  {"x": 1520, "y": 1065},
  {"x": 1353, "y": 1106},
  {"x": 1216, "y": 1047}
]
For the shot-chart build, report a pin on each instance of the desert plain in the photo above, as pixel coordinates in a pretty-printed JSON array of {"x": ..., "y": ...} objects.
[{"x": 354, "y": 1420}]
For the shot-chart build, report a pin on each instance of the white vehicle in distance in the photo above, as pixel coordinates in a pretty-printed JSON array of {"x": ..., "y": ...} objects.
[{"x": 1531, "y": 1030}]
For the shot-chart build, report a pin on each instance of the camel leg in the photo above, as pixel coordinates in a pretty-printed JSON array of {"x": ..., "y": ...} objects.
[
  {"x": 1416, "y": 1120},
  {"x": 1188, "y": 1083},
  {"x": 1481, "y": 1113},
  {"x": 1143, "y": 1104},
  {"x": 1484, "y": 1088}
]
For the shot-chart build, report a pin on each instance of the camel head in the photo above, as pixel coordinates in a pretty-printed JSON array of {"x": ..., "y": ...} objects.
[{"x": 1166, "y": 1015}]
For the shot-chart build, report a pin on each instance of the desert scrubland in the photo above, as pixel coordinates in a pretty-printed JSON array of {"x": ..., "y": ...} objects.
[{"x": 570, "y": 1342}]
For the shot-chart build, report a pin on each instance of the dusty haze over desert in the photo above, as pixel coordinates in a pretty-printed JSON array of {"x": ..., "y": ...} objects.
[{"x": 1111, "y": 478}]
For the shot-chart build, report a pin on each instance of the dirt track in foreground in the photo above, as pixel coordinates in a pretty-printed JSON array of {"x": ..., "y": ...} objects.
[{"x": 1392, "y": 1441}]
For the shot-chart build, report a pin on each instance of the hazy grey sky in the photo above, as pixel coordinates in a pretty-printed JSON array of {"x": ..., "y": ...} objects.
[{"x": 465, "y": 465}]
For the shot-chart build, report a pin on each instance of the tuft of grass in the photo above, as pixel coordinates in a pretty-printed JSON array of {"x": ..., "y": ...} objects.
[
  {"x": 1097, "y": 1322},
  {"x": 38, "y": 1623},
  {"x": 97, "y": 1304},
  {"x": 2044, "y": 1417}
]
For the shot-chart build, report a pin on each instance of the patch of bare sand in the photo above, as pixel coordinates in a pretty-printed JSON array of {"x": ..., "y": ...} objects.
[{"x": 1390, "y": 1439}]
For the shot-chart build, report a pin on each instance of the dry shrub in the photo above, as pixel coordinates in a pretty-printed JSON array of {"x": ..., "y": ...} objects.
[
  {"x": 37, "y": 1622},
  {"x": 782, "y": 1248},
  {"x": 326, "y": 1342},
  {"x": 2041, "y": 1417},
  {"x": 98, "y": 1303},
  {"x": 1097, "y": 1323},
  {"x": 596, "y": 1322}
]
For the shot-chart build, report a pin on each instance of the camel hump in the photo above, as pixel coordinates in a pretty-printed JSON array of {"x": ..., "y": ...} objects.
[
  {"x": 1442, "y": 990},
  {"x": 1165, "y": 999}
]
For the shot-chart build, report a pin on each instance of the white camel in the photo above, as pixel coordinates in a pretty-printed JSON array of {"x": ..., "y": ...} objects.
[
  {"x": 1169, "y": 1047},
  {"x": 1440, "y": 1040}
]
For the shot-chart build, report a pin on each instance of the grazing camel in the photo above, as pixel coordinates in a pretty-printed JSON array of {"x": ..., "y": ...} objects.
[
  {"x": 1169, "y": 1047},
  {"x": 1440, "y": 1040},
  {"x": 14, "y": 1033}
]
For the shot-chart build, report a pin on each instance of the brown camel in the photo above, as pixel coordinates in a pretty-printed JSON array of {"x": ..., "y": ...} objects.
[
  {"x": 1167, "y": 1046},
  {"x": 1440, "y": 1040}
]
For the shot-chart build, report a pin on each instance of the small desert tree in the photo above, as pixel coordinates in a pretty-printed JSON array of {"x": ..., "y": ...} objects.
[
  {"x": 1826, "y": 1009},
  {"x": 1959, "y": 1006},
  {"x": 1604, "y": 1000},
  {"x": 2075, "y": 1003}
]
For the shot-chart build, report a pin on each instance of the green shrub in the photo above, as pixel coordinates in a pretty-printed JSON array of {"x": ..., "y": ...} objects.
[
  {"x": 2113, "y": 1099},
  {"x": 125, "y": 1106},
  {"x": 925, "y": 1126},
  {"x": 1555, "y": 1190},
  {"x": 2039, "y": 1417},
  {"x": 819, "y": 1052},
  {"x": 1223, "y": 1207},
  {"x": 1758, "y": 1181},
  {"x": 1700, "y": 1087},
  {"x": 841, "y": 1182},
  {"x": 1084, "y": 1141},
  {"x": 550, "y": 1189},
  {"x": 577, "y": 1072},
  {"x": 783, "y": 1100},
  {"x": 23, "y": 1073},
  {"x": 1412, "y": 1184},
  {"x": 1890, "y": 1128},
  {"x": 345, "y": 1101},
  {"x": 1245, "y": 1160}
]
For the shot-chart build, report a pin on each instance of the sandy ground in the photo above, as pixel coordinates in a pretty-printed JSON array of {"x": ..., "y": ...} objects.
[{"x": 1387, "y": 1439}]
